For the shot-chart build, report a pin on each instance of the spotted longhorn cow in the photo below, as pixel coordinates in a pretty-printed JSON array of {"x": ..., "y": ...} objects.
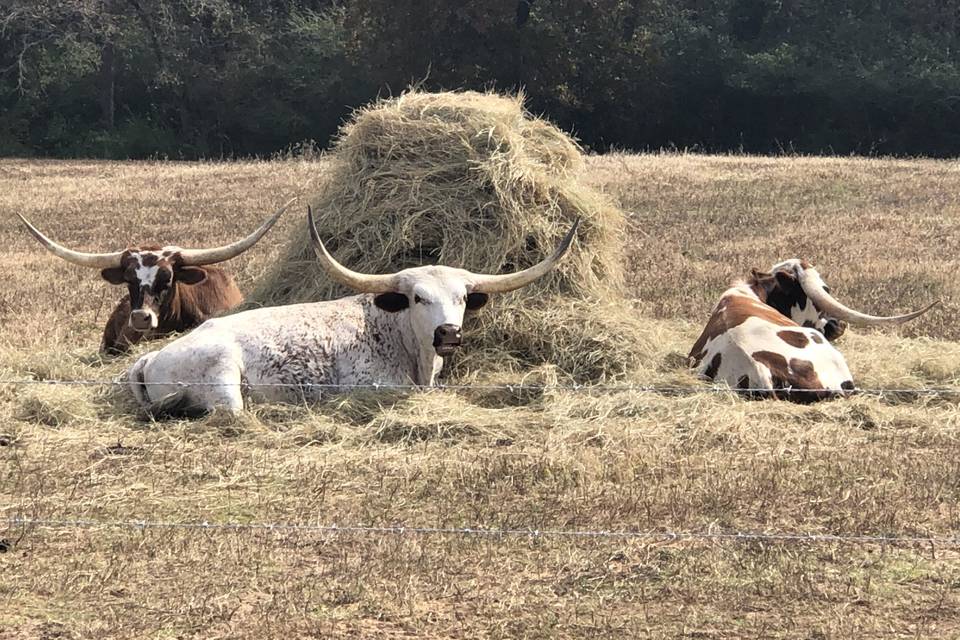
[
  {"x": 772, "y": 335},
  {"x": 396, "y": 331},
  {"x": 169, "y": 289}
]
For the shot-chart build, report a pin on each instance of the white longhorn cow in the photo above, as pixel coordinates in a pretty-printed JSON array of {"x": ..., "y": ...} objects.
[{"x": 395, "y": 332}]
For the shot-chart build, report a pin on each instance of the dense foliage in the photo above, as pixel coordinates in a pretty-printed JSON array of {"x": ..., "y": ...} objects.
[{"x": 185, "y": 78}]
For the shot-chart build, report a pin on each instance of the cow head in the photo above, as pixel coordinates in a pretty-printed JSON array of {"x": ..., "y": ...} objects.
[
  {"x": 435, "y": 297},
  {"x": 795, "y": 289},
  {"x": 151, "y": 273}
]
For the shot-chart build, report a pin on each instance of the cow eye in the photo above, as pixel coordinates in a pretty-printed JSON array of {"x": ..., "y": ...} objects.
[
  {"x": 417, "y": 299},
  {"x": 826, "y": 288},
  {"x": 162, "y": 283}
]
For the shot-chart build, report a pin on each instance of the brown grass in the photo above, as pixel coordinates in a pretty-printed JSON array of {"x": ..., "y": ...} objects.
[{"x": 883, "y": 232}]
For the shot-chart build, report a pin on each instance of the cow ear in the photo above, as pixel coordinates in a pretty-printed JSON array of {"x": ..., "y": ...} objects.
[
  {"x": 113, "y": 275},
  {"x": 786, "y": 280},
  {"x": 762, "y": 281},
  {"x": 476, "y": 300},
  {"x": 392, "y": 301},
  {"x": 190, "y": 275}
]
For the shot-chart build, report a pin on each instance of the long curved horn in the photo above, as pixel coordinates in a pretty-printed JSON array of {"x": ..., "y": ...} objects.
[
  {"x": 361, "y": 282},
  {"x": 198, "y": 257},
  {"x": 829, "y": 305},
  {"x": 92, "y": 260},
  {"x": 484, "y": 283}
]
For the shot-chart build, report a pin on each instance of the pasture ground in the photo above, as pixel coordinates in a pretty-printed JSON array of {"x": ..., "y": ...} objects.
[{"x": 885, "y": 234}]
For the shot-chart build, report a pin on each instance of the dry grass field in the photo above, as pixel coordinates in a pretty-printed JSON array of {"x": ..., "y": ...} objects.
[{"x": 886, "y": 235}]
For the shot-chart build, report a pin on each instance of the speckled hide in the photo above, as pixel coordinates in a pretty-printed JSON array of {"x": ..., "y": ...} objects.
[{"x": 345, "y": 342}]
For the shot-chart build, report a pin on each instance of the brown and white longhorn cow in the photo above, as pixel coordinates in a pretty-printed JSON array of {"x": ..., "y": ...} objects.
[
  {"x": 169, "y": 289},
  {"x": 772, "y": 335}
]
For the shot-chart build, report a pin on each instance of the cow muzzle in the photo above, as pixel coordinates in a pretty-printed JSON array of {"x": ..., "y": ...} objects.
[
  {"x": 143, "y": 319},
  {"x": 833, "y": 329},
  {"x": 446, "y": 339}
]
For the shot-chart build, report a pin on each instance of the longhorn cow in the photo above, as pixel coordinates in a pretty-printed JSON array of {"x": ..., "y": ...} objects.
[
  {"x": 772, "y": 335},
  {"x": 169, "y": 289},
  {"x": 397, "y": 331}
]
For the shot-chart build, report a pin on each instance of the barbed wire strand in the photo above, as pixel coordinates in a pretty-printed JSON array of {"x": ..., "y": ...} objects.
[
  {"x": 517, "y": 387},
  {"x": 666, "y": 536}
]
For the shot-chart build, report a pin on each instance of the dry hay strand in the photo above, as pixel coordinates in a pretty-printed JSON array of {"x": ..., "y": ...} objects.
[
  {"x": 472, "y": 180},
  {"x": 56, "y": 407}
]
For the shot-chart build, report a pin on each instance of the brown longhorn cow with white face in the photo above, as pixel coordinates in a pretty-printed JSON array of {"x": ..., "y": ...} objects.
[
  {"x": 169, "y": 289},
  {"x": 772, "y": 335}
]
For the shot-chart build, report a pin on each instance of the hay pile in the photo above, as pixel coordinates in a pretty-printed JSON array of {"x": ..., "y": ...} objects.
[{"x": 471, "y": 180}]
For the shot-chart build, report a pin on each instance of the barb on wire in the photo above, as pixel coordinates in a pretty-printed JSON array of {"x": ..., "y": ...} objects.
[
  {"x": 514, "y": 388},
  {"x": 491, "y": 532}
]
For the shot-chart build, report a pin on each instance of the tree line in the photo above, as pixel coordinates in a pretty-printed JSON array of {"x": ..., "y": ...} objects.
[{"x": 225, "y": 78}]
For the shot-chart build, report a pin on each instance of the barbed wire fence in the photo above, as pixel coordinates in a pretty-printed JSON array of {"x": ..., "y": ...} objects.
[
  {"x": 941, "y": 541},
  {"x": 515, "y": 387},
  {"x": 494, "y": 532}
]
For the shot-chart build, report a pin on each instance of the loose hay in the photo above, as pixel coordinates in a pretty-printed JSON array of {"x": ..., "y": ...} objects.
[
  {"x": 472, "y": 180},
  {"x": 55, "y": 407}
]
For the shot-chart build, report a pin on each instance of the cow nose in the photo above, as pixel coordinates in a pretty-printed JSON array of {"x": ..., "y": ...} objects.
[
  {"x": 446, "y": 338},
  {"x": 141, "y": 320},
  {"x": 448, "y": 331},
  {"x": 834, "y": 329}
]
